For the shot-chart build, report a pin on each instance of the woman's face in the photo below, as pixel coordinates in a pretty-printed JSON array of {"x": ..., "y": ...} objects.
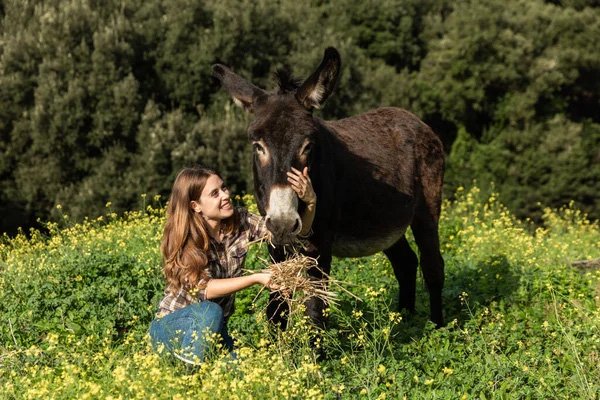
[{"x": 215, "y": 203}]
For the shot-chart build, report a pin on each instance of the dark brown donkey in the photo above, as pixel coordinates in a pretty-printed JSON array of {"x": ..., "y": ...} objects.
[{"x": 374, "y": 174}]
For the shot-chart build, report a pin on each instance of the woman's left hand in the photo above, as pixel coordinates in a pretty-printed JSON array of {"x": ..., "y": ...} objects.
[{"x": 302, "y": 185}]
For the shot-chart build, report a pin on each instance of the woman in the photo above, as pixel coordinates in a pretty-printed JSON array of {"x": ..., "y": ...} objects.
[{"x": 204, "y": 246}]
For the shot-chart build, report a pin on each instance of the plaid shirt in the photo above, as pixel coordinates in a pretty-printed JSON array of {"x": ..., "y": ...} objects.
[{"x": 225, "y": 260}]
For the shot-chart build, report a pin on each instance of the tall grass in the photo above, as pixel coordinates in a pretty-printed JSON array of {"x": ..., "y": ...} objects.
[{"x": 75, "y": 306}]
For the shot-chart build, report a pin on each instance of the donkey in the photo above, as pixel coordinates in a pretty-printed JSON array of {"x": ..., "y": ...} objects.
[{"x": 374, "y": 174}]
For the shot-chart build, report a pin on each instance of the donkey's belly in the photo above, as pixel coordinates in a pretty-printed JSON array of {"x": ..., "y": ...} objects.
[
  {"x": 372, "y": 220},
  {"x": 352, "y": 246}
]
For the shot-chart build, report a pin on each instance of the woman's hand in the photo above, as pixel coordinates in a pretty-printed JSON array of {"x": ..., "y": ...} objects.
[
  {"x": 302, "y": 185},
  {"x": 264, "y": 278}
]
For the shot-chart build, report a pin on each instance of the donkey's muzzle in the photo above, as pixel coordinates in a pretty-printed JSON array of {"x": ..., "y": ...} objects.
[
  {"x": 283, "y": 230},
  {"x": 282, "y": 217}
]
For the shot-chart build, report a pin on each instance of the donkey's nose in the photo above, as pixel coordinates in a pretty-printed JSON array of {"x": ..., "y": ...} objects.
[
  {"x": 283, "y": 229},
  {"x": 297, "y": 226}
]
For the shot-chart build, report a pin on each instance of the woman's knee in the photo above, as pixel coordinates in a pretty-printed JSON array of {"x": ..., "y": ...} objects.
[
  {"x": 160, "y": 334},
  {"x": 209, "y": 313}
]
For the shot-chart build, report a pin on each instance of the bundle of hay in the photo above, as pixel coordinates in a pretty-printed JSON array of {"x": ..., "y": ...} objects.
[{"x": 291, "y": 279}]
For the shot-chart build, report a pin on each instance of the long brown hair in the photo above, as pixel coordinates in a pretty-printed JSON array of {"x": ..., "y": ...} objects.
[{"x": 186, "y": 240}]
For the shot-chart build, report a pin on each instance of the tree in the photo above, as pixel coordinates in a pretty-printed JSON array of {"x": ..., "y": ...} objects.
[
  {"x": 103, "y": 101},
  {"x": 521, "y": 73}
]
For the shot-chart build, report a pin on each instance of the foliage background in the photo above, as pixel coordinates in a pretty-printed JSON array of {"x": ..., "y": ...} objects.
[{"x": 101, "y": 101}]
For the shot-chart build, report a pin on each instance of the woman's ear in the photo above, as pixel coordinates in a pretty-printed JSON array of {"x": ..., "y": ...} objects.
[{"x": 196, "y": 206}]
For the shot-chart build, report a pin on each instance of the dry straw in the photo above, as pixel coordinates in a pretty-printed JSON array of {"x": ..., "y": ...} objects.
[{"x": 291, "y": 279}]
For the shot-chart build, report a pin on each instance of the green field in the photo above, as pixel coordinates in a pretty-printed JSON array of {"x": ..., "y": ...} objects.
[{"x": 75, "y": 305}]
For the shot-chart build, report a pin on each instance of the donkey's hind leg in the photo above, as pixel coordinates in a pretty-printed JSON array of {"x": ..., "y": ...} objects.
[
  {"x": 425, "y": 231},
  {"x": 404, "y": 262}
]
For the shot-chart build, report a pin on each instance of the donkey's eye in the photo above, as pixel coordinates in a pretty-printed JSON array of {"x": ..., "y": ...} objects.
[
  {"x": 259, "y": 149},
  {"x": 307, "y": 149}
]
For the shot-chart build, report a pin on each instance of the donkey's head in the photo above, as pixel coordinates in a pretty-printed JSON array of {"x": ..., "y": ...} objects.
[{"x": 283, "y": 134}]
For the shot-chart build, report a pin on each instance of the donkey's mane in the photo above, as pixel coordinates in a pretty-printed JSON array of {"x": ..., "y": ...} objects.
[{"x": 286, "y": 82}]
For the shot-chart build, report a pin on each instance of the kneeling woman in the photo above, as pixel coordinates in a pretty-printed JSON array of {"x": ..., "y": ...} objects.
[{"x": 204, "y": 246}]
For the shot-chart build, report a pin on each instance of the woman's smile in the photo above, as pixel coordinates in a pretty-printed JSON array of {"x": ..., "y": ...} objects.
[{"x": 226, "y": 205}]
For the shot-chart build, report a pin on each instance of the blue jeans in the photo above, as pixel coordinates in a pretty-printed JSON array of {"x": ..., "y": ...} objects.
[{"x": 185, "y": 332}]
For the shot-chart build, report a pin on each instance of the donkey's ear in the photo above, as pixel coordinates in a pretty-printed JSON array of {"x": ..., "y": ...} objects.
[
  {"x": 317, "y": 88},
  {"x": 243, "y": 92}
]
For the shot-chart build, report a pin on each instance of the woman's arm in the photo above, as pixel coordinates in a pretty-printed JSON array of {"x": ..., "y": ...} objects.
[
  {"x": 222, "y": 287},
  {"x": 302, "y": 185},
  {"x": 308, "y": 217}
]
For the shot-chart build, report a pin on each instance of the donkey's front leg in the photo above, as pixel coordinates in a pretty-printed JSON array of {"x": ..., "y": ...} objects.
[
  {"x": 278, "y": 309},
  {"x": 315, "y": 306}
]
